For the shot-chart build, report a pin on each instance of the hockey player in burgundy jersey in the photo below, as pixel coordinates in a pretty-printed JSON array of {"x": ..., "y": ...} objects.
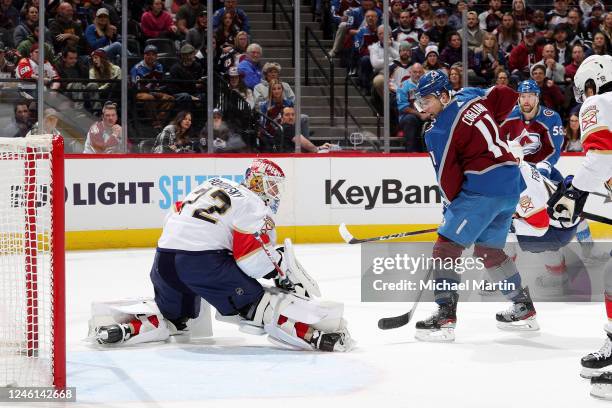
[
  {"x": 594, "y": 77},
  {"x": 215, "y": 245},
  {"x": 481, "y": 183}
]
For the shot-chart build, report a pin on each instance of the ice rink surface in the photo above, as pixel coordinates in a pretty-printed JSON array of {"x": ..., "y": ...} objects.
[{"x": 484, "y": 367}]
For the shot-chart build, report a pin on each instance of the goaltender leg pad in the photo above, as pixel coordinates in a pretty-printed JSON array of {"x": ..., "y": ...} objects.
[{"x": 297, "y": 273}]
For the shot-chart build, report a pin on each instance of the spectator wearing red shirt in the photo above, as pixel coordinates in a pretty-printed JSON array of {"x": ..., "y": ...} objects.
[
  {"x": 524, "y": 56},
  {"x": 157, "y": 22},
  {"x": 577, "y": 58}
]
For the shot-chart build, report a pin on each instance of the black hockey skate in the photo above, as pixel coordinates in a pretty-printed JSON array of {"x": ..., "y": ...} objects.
[
  {"x": 114, "y": 333},
  {"x": 597, "y": 363},
  {"x": 440, "y": 326},
  {"x": 521, "y": 316},
  {"x": 602, "y": 386}
]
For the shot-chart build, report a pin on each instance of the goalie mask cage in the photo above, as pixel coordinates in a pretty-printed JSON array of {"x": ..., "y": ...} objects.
[{"x": 32, "y": 303}]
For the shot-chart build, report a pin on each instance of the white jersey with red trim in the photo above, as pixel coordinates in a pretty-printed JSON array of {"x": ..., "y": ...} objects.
[
  {"x": 222, "y": 214},
  {"x": 596, "y": 130},
  {"x": 531, "y": 218}
]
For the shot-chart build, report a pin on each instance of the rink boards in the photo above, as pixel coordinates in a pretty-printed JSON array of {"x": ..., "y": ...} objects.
[{"x": 121, "y": 201}]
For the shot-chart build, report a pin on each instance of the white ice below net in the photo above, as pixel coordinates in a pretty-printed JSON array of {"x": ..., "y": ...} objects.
[{"x": 23, "y": 364}]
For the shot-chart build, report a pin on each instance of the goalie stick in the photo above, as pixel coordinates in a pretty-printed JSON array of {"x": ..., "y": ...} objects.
[
  {"x": 395, "y": 322},
  {"x": 350, "y": 239}
]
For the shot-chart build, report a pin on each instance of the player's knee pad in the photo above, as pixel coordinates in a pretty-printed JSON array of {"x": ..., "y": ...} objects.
[
  {"x": 491, "y": 257},
  {"x": 443, "y": 250},
  {"x": 286, "y": 317}
]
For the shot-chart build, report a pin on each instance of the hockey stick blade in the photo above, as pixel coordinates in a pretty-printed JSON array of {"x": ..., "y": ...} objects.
[
  {"x": 350, "y": 239},
  {"x": 387, "y": 323}
]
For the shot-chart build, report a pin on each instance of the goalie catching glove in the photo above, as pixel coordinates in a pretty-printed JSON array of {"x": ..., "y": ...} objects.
[{"x": 566, "y": 204}]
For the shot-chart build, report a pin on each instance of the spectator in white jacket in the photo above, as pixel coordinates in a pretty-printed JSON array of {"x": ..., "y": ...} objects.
[
  {"x": 399, "y": 70},
  {"x": 554, "y": 70},
  {"x": 375, "y": 64}
]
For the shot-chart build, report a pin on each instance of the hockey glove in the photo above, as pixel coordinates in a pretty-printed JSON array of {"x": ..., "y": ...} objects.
[{"x": 566, "y": 204}]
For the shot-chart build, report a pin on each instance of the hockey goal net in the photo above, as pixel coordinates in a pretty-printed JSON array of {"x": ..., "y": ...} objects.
[{"x": 32, "y": 308}]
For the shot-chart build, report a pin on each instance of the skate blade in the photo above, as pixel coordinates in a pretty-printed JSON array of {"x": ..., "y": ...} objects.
[
  {"x": 530, "y": 324},
  {"x": 602, "y": 391},
  {"x": 443, "y": 335},
  {"x": 589, "y": 373}
]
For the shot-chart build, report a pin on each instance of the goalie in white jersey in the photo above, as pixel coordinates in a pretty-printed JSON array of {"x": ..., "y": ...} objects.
[
  {"x": 215, "y": 245},
  {"x": 593, "y": 85}
]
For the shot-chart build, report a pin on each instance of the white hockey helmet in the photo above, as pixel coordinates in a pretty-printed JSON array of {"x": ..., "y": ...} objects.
[
  {"x": 596, "y": 70},
  {"x": 266, "y": 179}
]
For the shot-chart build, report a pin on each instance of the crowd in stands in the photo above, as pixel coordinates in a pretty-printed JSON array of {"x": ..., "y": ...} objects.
[{"x": 508, "y": 41}]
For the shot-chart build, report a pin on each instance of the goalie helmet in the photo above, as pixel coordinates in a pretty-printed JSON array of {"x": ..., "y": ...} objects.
[
  {"x": 266, "y": 179},
  {"x": 595, "y": 71}
]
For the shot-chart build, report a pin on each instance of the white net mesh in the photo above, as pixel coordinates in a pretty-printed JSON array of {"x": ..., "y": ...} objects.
[{"x": 26, "y": 301}]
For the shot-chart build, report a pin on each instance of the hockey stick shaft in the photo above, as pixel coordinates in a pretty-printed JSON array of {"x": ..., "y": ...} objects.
[
  {"x": 270, "y": 257},
  {"x": 350, "y": 239},
  {"x": 595, "y": 217}
]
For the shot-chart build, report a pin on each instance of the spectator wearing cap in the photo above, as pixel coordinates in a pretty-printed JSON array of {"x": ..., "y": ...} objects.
[
  {"x": 432, "y": 59},
  {"x": 103, "y": 35},
  {"x": 7, "y": 68},
  {"x": 399, "y": 71},
  {"x": 189, "y": 70},
  {"x": 187, "y": 15},
  {"x": 551, "y": 95},
  {"x": 250, "y": 67},
  {"x": 104, "y": 136},
  {"x": 157, "y": 22},
  {"x": 113, "y": 16},
  {"x": 145, "y": 76},
  {"x": 236, "y": 84},
  {"x": 595, "y": 19},
  {"x": 576, "y": 30},
  {"x": 102, "y": 69},
  {"x": 27, "y": 68},
  {"x": 418, "y": 52},
  {"x": 410, "y": 119},
  {"x": 240, "y": 17},
  {"x": 492, "y": 17},
  {"x": 261, "y": 92},
  {"x": 196, "y": 35},
  {"x": 441, "y": 30},
  {"x": 561, "y": 45},
  {"x": 508, "y": 34},
  {"x": 554, "y": 70},
  {"x": 50, "y": 119},
  {"x": 558, "y": 14},
  {"x": 375, "y": 63},
  {"x": 524, "y": 56},
  {"x": 65, "y": 30},
  {"x": 224, "y": 139},
  {"x": 9, "y": 15},
  {"x": 475, "y": 35},
  {"x": 26, "y": 27},
  {"x": 70, "y": 68},
  {"x": 404, "y": 30},
  {"x": 577, "y": 58},
  {"x": 20, "y": 124}
]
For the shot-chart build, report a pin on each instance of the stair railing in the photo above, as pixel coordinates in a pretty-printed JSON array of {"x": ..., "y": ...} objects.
[{"x": 329, "y": 77}]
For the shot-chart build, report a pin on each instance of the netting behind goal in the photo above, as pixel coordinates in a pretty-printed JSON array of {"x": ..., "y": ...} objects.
[{"x": 32, "y": 333}]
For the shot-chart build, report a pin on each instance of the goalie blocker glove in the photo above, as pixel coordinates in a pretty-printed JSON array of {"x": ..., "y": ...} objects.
[{"x": 566, "y": 204}]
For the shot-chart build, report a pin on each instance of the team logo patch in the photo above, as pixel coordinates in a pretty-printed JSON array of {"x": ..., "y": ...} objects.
[
  {"x": 526, "y": 203},
  {"x": 268, "y": 225},
  {"x": 548, "y": 112},
  {"x": 589, "y": 117}
]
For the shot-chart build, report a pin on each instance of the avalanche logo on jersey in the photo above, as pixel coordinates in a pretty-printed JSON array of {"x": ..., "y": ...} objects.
[
  {"x": 531, "y": 142},
  {"x": 589, "y": 117}
]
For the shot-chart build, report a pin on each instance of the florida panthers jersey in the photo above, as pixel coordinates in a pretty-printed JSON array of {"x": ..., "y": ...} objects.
[
  {"x": 222, "y": 214},
  {"x": 596, "y": 130},
  {"x": 541, "y": 137},
  {"x": 531, "y": 216},
  {"x": 465, "y": 145}
]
